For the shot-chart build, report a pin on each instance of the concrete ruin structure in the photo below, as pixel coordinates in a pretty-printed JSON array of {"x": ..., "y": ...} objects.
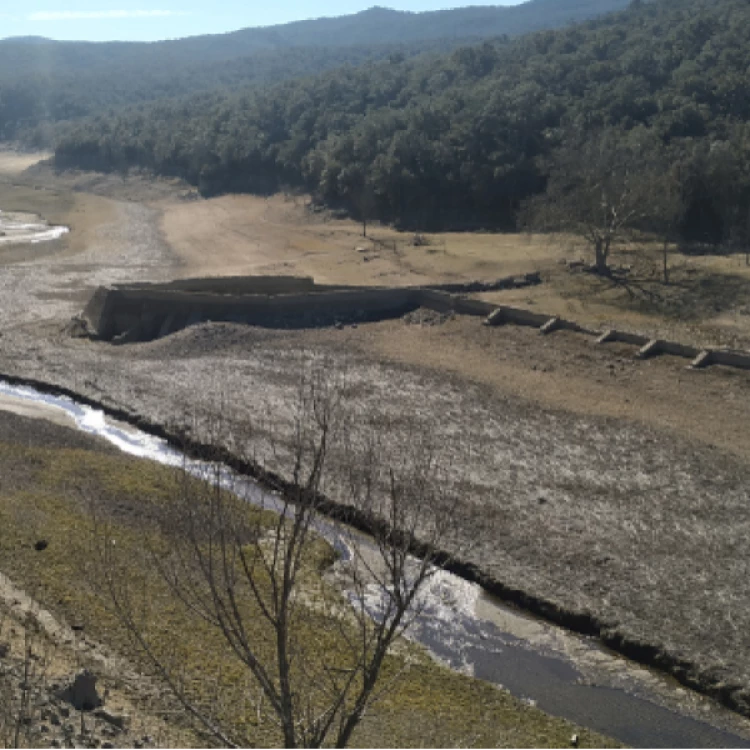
[
  {"x": 141, "y": 312},
  {"x": 129, "y": 313}
]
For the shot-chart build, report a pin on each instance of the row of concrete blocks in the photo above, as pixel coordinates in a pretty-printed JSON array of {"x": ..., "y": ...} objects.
[{"x": 647, "y": 347}]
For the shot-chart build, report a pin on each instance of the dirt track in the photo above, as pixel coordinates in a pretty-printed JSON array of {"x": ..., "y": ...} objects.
[{"x": 610, "y": 486}]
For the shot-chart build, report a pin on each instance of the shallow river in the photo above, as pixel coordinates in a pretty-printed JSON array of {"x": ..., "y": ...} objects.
[
  {"x": 563, "y": 673},
  {"x": 18, "y": 227}
]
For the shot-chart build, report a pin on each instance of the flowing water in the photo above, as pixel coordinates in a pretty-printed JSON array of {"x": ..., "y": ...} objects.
[
  {"x": 16, "y": 227},
  {"x": 564, "y": 674}
]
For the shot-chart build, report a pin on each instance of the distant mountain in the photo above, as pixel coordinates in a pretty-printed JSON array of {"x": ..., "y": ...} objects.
[
  {"x": 28, "y": 40},
  {"x": 42, "y": 80},
  {"x": 377, "y": 25}
]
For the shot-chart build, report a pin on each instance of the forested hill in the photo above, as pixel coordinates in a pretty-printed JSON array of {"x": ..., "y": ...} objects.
[
  {"x": 31, "y": 104},
  {"x": 463, "y": 139},
  {"x": 46, "y": 81}
]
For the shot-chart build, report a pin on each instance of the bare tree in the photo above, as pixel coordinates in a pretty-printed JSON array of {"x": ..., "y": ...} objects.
[
  {"x": 233, "y": 566},
  {"x": 666, "y": 206},
  {"x": 598, "y": 189}
]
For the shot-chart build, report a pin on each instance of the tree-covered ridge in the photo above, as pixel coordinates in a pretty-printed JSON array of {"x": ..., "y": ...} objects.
[
  {"x": 32, "y": 103},
  {"x": 43, "y": 81},
  {"x": 465, "y": 138}
]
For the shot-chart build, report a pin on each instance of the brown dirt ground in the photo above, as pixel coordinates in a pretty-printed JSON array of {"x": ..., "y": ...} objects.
[
  {"x": 249, "y": 235},
  {"x": 707, "y": 300}
]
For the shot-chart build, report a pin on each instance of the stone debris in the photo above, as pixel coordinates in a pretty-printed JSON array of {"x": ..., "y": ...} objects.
[
  {"x": 59, "y": 716},
  {"x": 82, "y": 693},
  {"x": 423, "y": 316}
]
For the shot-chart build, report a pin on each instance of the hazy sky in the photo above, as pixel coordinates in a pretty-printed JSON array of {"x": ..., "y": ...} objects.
[{"x": 98, "y": 20}]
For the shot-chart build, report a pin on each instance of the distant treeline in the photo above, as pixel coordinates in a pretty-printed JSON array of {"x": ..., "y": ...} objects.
[{"x": 463, "y": 139}]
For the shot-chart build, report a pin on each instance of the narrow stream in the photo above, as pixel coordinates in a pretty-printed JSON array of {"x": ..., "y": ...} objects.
[
  {"x": 564, "y": 674},
  {"x": 18, "y": 227}
]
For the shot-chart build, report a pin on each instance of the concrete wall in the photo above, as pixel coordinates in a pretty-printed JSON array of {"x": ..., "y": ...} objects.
[
  {"x": 142, "y": 313},
  {"x": 730, "y": 359},
  {"x": 234, "y": 285},
  {"x": 147, "y": 311}
]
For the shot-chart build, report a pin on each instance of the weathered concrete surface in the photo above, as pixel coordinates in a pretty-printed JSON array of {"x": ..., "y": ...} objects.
[
  {"x": 142, "y": 312},
  {"x": 145, "y": 313}
]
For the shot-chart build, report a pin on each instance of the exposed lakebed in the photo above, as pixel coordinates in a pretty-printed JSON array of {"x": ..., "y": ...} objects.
[{"x": 563, "y": 673}]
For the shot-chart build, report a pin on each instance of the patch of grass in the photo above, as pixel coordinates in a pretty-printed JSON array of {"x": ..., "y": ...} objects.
[{"x": 49, "y": 499}]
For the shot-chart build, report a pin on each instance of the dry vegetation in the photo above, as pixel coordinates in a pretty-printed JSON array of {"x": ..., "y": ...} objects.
[{"x": 44, "y": 496}]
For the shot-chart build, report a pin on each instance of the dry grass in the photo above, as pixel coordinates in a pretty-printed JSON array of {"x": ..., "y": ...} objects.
[
  {"x": 429, "y": 706},
  {"x": 250, "y": 235}
]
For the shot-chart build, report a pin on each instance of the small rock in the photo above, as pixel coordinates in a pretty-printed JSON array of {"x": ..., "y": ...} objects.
[
  {"x": 81, "y": 693},
  {"x": 41, "y": 545},
  {"x": 4, "y": 650},
  {"x": 574, "y": 740}
]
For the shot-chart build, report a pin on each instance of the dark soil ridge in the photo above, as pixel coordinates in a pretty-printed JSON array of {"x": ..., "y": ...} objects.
[{"x": 735, "y": 697}]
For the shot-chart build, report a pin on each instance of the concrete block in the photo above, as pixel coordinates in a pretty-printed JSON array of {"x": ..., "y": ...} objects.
[
  {"x": 702, "y": 360},
  {"x": 551, "y": 325},
  {"x": 651, "y": 348},
  {"x": 495, "y": 318},
  {"x": 731, "y": 358}
]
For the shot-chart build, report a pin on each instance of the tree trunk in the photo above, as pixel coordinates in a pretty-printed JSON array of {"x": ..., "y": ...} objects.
[{"x": 601, "y": 250}]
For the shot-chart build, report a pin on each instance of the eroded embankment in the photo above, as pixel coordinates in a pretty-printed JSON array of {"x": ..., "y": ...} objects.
[{"x": 734, "y": 697}]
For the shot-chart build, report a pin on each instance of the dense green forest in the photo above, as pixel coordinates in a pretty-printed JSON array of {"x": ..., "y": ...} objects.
[
  {"x": 43, "y": 81},
  {"x": 464, "y": 139},
  {"x": 32, "y": 104}
]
